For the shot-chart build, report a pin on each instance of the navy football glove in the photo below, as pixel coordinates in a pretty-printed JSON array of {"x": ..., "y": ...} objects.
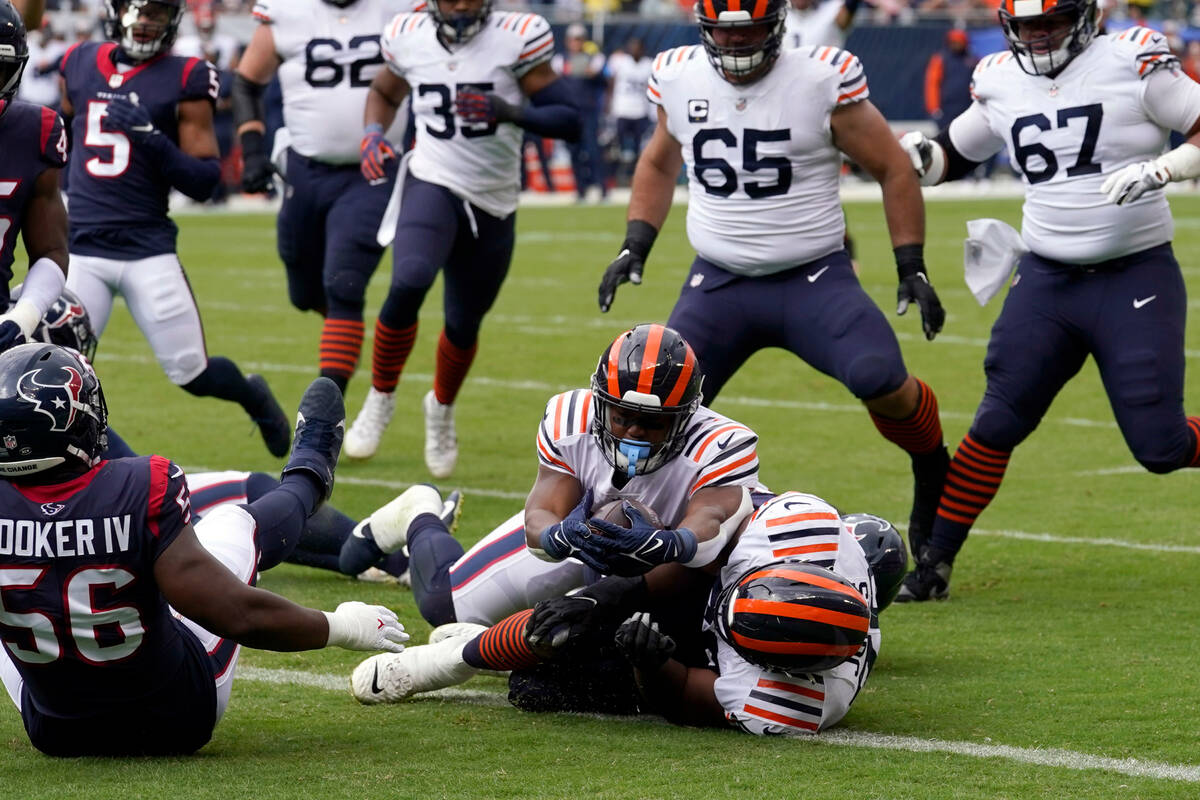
[
  {"x": 630, "y": 261},
  {"x": 640, "y": 640},
  {"x": 915, "y": 287},
  {"x": 479, "y": 108},
  {"x": 135, "y": 121},
  {"x": 560, "y": 621},
  {"x": 573, "y": 538},
  {"x": 641, "y": 547},
  {"x": 256, "y": 164},
  {"x": 10, "y": 335}
]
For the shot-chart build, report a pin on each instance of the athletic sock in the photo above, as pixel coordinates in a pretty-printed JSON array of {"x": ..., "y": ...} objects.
[
  {"x": 390, "y": 354},
  {"x": 453, "y": 363},
  {"x": 502, "y": 646}
]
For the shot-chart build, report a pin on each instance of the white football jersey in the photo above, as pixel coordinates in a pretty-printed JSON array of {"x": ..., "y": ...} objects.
[
  {"x": 816, "y": 25},
  {"x": 328, "y": 57},
  {"x": 629, "y": 86},
  {"x": 761, "y": 165},
  {"x": 796, "y": 527},
  {"x": 717, "y": 452},
  {"x": 1068, "y": 133},
  {"x": 478, "y": 162}
]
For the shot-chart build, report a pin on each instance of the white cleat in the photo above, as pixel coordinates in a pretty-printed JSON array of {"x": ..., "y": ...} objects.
[
  {"x": 456, "y": 630},
  {"x": 441, "y": 442},
  {"x": 364, "y": 436},
  {"x": 389, "y": 524},
  {"x": 392, "y": 677},
  {"x": 376, "y": 575}
]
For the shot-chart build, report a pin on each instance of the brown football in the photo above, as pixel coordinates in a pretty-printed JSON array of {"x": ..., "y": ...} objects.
[{"x": 614, "y": 512}]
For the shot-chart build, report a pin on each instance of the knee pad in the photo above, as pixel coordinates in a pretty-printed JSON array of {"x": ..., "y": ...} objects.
[
  {"x": 185, "y": 365},
  {"x": 869, "y": 376},
  {"x": 346, "y": 289}
]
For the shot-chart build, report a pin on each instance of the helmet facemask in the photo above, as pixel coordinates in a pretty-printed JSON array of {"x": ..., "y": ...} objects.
[
  {"x": 1047, "y": 54},
  {"x": 742, "y": 63},
  {"x": 14, "y": 54},
  {"x": 459, "y": 28},
  {"x": 664, "y": 426},
  {"x": 143, "y": 39}
]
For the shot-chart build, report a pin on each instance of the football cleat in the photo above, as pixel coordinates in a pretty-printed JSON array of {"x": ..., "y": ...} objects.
[
  {"x": 926, "y": 582},
  {"x": 375, "y": 575},
  {"x": 320, "y": 426},
  {"x": 392, "y": 677},
  {"x": 441, "y": 441},
  {"x": 456, "y": 630},
  {"x": 388, "y": 526},
  {"x": 929, "y": 477},
  {"x": 271, "y": 421},
  {"x": 452, "y": 510},
  {"x": 364, "y": 436}
]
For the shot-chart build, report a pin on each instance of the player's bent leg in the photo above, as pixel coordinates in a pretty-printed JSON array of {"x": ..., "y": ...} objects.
[
  {"x": 94, "y": 281},
  {"x": 11, "y": 678}
]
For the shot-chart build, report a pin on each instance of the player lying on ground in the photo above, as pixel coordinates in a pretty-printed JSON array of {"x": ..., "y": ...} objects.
[{"x": 93, "y": 551}]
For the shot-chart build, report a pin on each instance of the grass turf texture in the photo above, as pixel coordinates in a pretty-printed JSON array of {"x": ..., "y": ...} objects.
[{"x": 1045, "y": 644}]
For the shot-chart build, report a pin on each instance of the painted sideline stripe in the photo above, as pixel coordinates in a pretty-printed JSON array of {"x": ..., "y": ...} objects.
[{"x": 1052, "y": 757}]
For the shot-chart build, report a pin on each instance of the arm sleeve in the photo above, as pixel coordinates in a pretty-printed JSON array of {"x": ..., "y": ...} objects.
[
  {"x": 200, "y": 81},
  {"x": 389, "y": 44},
  {"x": 567, "y": 414},
  {"x": 170, "y": 508},
  {"x": 53, "y": 151},
  {"x": 852, "y": 82},
  {"x": 972, "y": 136},
  {"x": 1172, "y": 99},
  {"x": 537, "y": 46}
]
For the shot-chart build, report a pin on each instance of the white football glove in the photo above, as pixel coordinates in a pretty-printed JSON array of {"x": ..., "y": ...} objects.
[
  {"x": 927, "y": 157},
  {"x": 358, "y": 626},
  {"x": 1128, "y": 184}
]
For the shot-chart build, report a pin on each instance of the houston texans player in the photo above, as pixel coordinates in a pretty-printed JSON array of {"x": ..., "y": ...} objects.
[
  {"x": 1087, "y": 118},
  {"x": 326, "y": 52},
  {"x": 142, "y": 127},
  {"x": 469, "y": 72},
  {"x": 761, "y": 130},
  {"x": 33, "y": 149},
  {"x": 92, "y": 552}
]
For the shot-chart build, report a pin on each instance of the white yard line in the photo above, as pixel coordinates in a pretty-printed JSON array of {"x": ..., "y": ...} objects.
[{"x": 1042, "y": 757}]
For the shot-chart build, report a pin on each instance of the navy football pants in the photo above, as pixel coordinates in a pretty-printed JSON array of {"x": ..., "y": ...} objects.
[{"x": 818, "y": 311}]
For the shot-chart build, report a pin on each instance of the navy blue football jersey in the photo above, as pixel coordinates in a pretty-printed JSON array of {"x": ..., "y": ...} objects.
[
  {"x": 32, "y": 140},
  {"x": 117, "y": 191},
  {"x": 80, "y": 613}
]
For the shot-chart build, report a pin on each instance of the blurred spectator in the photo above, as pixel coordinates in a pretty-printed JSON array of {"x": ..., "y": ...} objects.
[
  {"x": 812, "y": 22},
  {"x": 583, "y": 67},
  {"x": 40, "y": 84},
  {"x": 629, "y": 70},
  {"x": 948, "y": 79}
]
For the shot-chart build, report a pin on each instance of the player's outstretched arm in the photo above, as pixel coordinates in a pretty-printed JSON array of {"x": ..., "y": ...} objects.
[
  {"x": 684, "y": 695},
  {"x": 649, "y": 204},
  {"x": 203, "y": 590},
  {"x": 384, "y": 97},
  {"x": 556, "y": 519},
  {"x": 255, "y": 69}
]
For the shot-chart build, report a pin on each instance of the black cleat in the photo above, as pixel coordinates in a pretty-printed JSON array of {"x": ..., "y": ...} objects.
[
  {"x": 451, "y": 510},
  {"x": 929, "y": 477},
  {"x": 926, "y": 582},
  {"x": 320, "y": 427},
  {"x": 271, "y": 421}
]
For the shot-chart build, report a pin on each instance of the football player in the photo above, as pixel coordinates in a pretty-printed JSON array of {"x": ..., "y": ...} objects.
[
  {"x": 811, "y": 22},
  {"x": 1085, "y": 118},
  {"x": 639, "y": 432},
  {"x": 33, "y": 148},
  {"x": 468, "y": 71},
  {"x": 142, "y": 127},
  {"x": 326, "y": 52},
  {"x": 94, "y": 658},
  {"x": 791, "y": 632},
  {"x": 761, "y": 130}
]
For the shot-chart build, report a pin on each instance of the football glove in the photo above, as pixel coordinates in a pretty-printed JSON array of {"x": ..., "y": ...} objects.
[
  {"x": 573, "y": 537},
  {"x": 630, "y": 261},
  {"x": 358, "y": 626},
  {"x": 561, "y": 621},
  {"x": 642, "y": 546},
  {"x": 373, "y": 152},
  {"x": 11, "y": 334},
  {"x": 1128, "y": 184},
  {"x": 928, "y": 158},
  {"x": 256, "y": 164},
  {"x": 479, "y": 108},
  {"x": 134, "y": 120},
  {"x": 915, "y": 287},
  {"x": 640, "y": 640}
]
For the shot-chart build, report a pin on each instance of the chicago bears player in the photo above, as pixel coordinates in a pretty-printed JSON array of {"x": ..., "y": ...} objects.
[
  {"x": 1086, "y": 118},
  {"x": 468, "y": 71},
  {"x": 639, "y": 432},
  {"x": 92, "y": 551},
  {"x": 759, "y": 129},
  {"x": 142, "y": 127},
  {"x": 326, "y": 52},
  {"x": 33, "y": 148},
  {"x": 819, "y": 22}
]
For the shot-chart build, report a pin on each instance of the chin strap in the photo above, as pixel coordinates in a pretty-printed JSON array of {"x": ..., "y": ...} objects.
[{"x": 634, "y": 451}]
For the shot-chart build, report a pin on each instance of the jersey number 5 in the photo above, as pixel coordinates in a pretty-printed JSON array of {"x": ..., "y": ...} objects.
[
  {"x": 121, "y": 624},
  {"x": 1084, "y": 165},
  {"x": 96, "y": 137},
  {"x": 751, "y": 162}
]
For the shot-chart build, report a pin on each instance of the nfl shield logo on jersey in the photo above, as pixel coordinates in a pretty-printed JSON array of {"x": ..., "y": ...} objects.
[
  {"x": 10, "y": 442},
  {"x": 697, "y": 110}
]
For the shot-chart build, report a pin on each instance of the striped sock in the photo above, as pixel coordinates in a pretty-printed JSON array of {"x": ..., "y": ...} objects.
[
  {"x": 974, "y": 478},
  {"x": 341, "y": 344},
  {"x": 392, "y": 347},
  {"x": 452, "y": 365},
  {"x": 1193, "y": 424},
  {"x": 921, "y": 431},
  {"x": 503, "y": 645}
]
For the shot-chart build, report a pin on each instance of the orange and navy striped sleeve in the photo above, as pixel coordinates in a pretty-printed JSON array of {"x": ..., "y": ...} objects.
[
  {"x": 567, "y": 415},
  {"x": 800, "y": 528},
  {"x": 851, "y": 79},
  {"x": 391, "y": 45},
  {"x": 1151, "y": 52},
  {"x": 665, "y": 64},
  {"x": 726, "y": 452},
  {"x": 262, "y": 12},
  {"x": 537, "y": 42},
  {"x": 782, "y": 704}
]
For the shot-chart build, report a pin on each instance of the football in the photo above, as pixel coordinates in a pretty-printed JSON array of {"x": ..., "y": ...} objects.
[{"x": 614, "y": 512}]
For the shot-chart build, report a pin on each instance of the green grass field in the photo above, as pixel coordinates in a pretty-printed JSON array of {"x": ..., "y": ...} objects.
[{"x": 1064, "y": 665}]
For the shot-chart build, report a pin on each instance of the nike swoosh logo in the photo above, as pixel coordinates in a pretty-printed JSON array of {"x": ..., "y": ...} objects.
[
  {"x": 794, "y": 503},
  {"x": 724, "y": 444},
  {"x": 1140, "y": 303},
  {"x": 375, "y": 681},
  {"x": 813, "y": 278}
]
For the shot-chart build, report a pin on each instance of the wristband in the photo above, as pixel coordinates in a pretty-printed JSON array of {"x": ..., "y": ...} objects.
[
  {"x": 910, "y": 259},
  {"x": 639, "y": 238}
]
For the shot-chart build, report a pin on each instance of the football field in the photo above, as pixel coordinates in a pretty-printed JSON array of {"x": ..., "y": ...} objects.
[{"x": 1064, "y": 664}]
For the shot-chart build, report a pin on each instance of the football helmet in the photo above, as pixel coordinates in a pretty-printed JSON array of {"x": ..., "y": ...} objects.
[
  {"x": 143, "y": 28},
  {"x": 648, "y": 372},
  {"x": 886, "y": 554},
  {"x": 66, "y": 323},
  {"x": 14, "y": 53},
  {"x": 1042, "y": 55},
  {"x": 52, "y": 410},
  {"x": 741, "y": 63},
  {"x": 458, "y": 28},
  {"x": 793, "y": 617}
]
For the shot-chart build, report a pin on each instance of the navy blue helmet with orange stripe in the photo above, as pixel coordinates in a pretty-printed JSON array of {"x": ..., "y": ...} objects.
[
  {"x": 1045, "y": 35},
  {"x": 742, "y": 37},
  {"x": 458, "y": 27},
  {"x": 644, "y": 391},
  {"x": 793, "y": 617}
]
